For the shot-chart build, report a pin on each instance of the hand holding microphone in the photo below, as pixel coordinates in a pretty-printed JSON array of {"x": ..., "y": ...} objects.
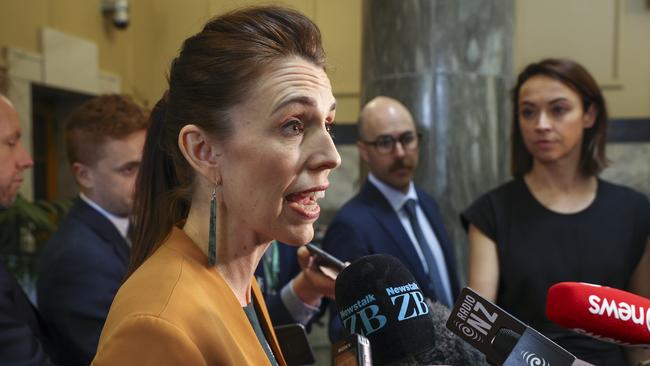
[{"x": 319, "y": 271}]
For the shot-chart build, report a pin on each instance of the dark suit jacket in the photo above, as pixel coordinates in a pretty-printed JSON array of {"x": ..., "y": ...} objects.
[
  {"x": 82, "y": 267},
  {"x": 23, "y": 338},
  {"x": 289, "y": 268},
  {"x": 367, "y": 225}
]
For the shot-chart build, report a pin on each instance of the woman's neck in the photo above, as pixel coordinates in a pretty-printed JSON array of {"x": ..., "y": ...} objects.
[
  {"x": 238, "y": 253},
  {"x": 561, "y": 188}
]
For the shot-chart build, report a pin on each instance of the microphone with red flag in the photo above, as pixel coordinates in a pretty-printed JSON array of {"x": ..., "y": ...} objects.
[{"x": 601, "y": 312}]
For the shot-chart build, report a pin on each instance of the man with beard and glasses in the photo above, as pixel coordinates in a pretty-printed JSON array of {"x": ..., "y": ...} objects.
[{"x": 390, "y": 215}]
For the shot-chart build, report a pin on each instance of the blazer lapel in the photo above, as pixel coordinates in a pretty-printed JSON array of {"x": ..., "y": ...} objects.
[
  {"x": 383, "y": 211},
  {"x": 266, "y": 324},
  {"x": 102, "y": 227}
]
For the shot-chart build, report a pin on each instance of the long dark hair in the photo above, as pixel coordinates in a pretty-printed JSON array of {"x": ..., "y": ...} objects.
[
  {"x": 576, "y": 77},
  {"x": 216, "y": 69}
]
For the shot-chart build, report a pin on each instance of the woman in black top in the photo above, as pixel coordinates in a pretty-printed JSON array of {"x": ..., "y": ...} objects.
[{"x": 556, "y": 220}]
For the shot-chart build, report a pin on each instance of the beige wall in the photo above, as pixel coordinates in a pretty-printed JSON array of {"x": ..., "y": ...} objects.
[
  {"x": 609, "y": 37},
  {"x": 21, "y": 21},
  {"x": 141, "y": 54},
  {"x": 175, "y": 20}
]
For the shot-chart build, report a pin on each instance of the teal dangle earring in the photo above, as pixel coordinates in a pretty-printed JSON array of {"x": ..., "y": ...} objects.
[{"x": 212, "y": 239}]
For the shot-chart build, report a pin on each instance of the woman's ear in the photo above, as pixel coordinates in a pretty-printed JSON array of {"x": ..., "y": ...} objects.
[
  {"x": 200, "y": 151},
  {"x": 590, "y": 116}
]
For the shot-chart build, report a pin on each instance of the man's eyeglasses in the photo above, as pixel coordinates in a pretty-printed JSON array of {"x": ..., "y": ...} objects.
[{"x": 385, "y": 144}]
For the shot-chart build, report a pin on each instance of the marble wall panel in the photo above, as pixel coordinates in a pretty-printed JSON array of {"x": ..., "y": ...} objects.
[
  {"x": 473, "y": 36},
  {"x": 468, "y": 150},
  {"x": 344, "y": 184},
  {"x": 393, "y": 41},
  {"x": 414, "y": 36},
  {"x": 630, "y": 165},
  {"x": 450, "y": 63}
]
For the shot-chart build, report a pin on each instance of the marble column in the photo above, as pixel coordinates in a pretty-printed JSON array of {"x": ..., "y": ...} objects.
[{"x": 451, "y": 64}]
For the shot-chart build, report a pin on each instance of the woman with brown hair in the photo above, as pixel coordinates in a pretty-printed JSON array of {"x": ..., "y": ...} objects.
[
  {"x": 556, "y": 220},
  {"x": 239, "y": 159}
]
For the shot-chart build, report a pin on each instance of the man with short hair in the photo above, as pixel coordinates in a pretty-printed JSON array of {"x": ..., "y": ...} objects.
[
  {"x": 85, "y": 262},
  {"x": 23, "y": 339},
  {"x": 390, "y": 215},
  {"x": 14, "y": 159}
]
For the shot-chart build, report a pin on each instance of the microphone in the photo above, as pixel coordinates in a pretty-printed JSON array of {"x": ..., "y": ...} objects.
[
  {"x": 379, "y": 298},
  {"x": 601, "y": 312},
  {"x": 354, "y": 350},
  {"x": 504, "y": 339}
]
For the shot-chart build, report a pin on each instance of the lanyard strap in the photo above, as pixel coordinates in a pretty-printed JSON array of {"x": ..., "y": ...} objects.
[{"x": 271, "y": 260}]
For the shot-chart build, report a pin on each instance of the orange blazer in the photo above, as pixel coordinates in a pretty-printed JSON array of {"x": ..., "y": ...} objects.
[{"x": 177, "y": 310}]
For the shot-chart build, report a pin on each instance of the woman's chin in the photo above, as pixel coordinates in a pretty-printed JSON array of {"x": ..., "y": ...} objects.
[{"x": 298, "y": 237}]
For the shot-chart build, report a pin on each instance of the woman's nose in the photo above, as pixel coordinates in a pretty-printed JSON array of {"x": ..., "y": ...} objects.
[
  {"x": 325, "y": 155},
  {"x": 543, "y": 122}
]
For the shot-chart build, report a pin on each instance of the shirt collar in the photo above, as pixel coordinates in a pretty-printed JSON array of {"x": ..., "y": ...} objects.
[
  {"x": 120, "y": 223},
  {"x": 395, "y": 197}
]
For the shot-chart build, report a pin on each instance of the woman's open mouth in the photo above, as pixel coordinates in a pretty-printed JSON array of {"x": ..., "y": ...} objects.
[{"x": 304, "y": 203}]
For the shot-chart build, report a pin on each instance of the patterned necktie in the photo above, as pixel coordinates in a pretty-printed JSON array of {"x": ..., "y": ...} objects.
[{"x": 434, "y": 273}]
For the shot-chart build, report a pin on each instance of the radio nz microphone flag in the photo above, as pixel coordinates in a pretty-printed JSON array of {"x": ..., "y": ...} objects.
[
  {"x": 504, "y": 339},
  {"x": 601, "y": 312}
]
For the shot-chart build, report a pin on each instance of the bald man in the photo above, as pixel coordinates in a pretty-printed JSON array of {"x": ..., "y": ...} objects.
[
  {"x": 390, "y": 215},
  {"x": 13, "y": 157},
  {"x": 23, "y": 339}
]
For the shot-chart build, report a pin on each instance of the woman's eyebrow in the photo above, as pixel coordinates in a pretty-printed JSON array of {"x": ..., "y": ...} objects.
[{"x": 299, "y": 99}]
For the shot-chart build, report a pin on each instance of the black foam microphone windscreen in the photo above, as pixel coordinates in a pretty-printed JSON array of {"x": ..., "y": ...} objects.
[
  {"x": 378, "y": 297},
  {"x": 449, "y": 348}
]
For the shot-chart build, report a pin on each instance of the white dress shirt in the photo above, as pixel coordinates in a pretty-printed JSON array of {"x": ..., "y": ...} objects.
[
  {"x": 397, "y": 199},
  {"x": 120, "y": 223}
]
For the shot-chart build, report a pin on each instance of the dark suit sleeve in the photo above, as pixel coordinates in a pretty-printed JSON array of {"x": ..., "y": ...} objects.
[
  {"x": 75, "y": 298},
  {"x": 289, "y": 269},
  {"x": 278, "y": 312},
  {"x": 344, "y": 241},
  {"x": 19, "y": 344}
]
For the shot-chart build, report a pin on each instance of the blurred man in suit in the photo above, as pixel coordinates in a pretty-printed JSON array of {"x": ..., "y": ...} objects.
[
  {"x": 23, "y": 337},
  {"x": 390, "y": 215},
  {"x": 84, "y": 263}
]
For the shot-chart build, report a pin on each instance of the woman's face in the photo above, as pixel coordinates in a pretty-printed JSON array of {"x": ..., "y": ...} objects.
[
  {"x": 552, "y": 119},
  {"x": 276, "y": 164}
]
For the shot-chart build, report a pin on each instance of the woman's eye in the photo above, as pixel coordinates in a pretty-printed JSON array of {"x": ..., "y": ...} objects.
[
  {"x": 293, "y": 128},
  {"x": 527, "y": 113},
  {"x": 330, "y": 129},
  {"x": 557, "y": 111}
]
